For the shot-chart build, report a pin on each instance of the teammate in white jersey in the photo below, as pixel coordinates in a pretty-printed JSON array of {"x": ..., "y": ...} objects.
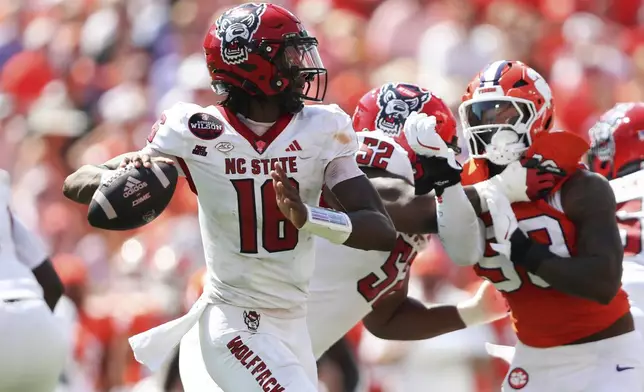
[
  {"x": 617, "y": 152},
  {"x": 33, "y": 342},
  {"x": 258, "y": 163},
  {"x": 350, "y": 284}
]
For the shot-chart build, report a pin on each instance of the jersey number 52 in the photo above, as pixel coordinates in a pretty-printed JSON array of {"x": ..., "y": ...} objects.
[
  {"x": 375, "y": 153},
  {"x": 278, "y": 233}
]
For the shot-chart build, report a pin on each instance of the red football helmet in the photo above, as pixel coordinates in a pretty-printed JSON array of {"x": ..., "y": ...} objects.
[
  {"x": 503, "y": 109},
  {"x": 264, "y": 49},
  {"x": 386, "y": 108},
  {"x": 617, "y": 141}
]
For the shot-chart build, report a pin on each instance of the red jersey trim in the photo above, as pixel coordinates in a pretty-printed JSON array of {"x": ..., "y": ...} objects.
[{"x": 259, "y": 143}]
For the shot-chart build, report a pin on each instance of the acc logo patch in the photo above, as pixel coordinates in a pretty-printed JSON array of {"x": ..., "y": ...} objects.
[
  {"x": 205, "y": 126},
  {"x": 518, "y": 378},
  {"x": 224, "y": 147}
]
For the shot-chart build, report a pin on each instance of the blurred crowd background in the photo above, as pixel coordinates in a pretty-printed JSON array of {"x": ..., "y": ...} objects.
[{"x": 82, "y": 81}]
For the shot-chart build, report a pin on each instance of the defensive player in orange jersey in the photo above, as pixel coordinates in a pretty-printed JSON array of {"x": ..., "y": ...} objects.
[{"x": 557, "y": 259}]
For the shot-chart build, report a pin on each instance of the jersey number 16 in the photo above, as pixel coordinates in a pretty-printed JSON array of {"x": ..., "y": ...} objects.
[{"x": 278, "y": 233}]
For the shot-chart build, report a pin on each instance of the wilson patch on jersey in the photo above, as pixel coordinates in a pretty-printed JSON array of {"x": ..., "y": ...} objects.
[{"x": 205, "y": 126}]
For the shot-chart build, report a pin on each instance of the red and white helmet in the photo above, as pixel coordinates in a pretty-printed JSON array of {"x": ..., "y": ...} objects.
[
  {"x": 263, "y": 49},
  {"x": 503, "y": 108},
  {"x": 387, "y": 107},
  {"x": 617, "y": 141}
]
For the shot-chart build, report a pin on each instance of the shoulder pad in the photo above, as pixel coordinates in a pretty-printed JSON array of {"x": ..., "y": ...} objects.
[
  {"x": 381, "y": 152},
  {"x": 337, "y": 129},
  {"x": 564, "y": 149}
]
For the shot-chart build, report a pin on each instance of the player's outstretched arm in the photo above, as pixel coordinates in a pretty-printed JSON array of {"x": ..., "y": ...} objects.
[
  {"x": 595, "y": 271},
  {"x": 411, "y": 213},
  {"x": 372, "y": 228},
  {"x": 81, "y": 185},
  {"x": 399, "y": 317}
]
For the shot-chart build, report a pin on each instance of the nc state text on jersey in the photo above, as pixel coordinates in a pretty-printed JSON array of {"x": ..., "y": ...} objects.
[{"x": 259, "y": 166}]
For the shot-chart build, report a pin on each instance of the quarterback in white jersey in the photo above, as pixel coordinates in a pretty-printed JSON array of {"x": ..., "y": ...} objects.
[
  {"x": 33, "y": 342},
  {"x": 349, "y": 285},
  {"x": 257, "y": 163}
]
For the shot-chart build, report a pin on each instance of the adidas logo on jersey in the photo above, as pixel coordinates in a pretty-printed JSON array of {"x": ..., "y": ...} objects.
[
  {"x": 295, "y": 146},
  {"x": 132, "y": 186}
]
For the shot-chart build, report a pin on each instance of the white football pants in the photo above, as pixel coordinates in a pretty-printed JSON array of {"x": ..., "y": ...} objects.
[
  {"x": 221, "y": 353},
  {"x": 34, "y": 347}
]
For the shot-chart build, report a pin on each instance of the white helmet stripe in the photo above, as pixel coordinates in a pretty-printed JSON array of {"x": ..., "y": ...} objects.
[{"x": 493, "y": 72}]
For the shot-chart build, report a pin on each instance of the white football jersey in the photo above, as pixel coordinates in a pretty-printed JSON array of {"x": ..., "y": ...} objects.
[
  {"x": 629, "y": 194},
  {"x": 20, "y": 252},
  {"x": 347, "y": 282},
  {"x": 255, "y": 257}
]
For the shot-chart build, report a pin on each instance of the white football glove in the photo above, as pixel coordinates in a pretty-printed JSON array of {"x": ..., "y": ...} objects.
[
  {"x": 421, "y": 135},
  {"x": 420, "y": 131},
  {"x": 503, "y": 220}
]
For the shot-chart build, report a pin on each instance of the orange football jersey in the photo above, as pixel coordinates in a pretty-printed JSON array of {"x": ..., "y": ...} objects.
[{"x": 541, "y": 315}]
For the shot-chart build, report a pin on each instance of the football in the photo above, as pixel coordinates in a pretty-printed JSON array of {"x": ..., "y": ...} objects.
[{"x": 132, "y": 197}]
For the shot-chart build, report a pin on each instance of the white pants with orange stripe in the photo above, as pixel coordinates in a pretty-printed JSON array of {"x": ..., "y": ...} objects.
[
  {"x": 221, "y": 353},
  {"x": 34, "y": 346}
]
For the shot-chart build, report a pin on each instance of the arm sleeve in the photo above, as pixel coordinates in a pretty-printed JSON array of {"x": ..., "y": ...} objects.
[
  {"x": 341, "y": 169},
  {"x": 30, "y": 249},
  {"x": 461, "y": 232}
]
